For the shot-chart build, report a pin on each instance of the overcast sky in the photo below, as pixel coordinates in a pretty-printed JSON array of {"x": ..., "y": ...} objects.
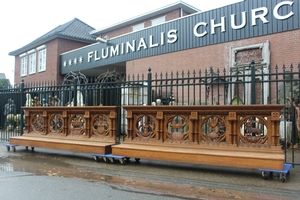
[{"x": 23, "y": 21}]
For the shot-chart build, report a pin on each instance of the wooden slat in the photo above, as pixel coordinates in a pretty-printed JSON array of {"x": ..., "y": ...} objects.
[
  {"x": 64, "y": 144},
  {"x": 221, "y": 157}
]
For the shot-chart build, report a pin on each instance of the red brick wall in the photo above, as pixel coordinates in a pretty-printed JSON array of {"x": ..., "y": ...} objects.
[
  {"x": 284, "y": 48},
  {"x": 53, "y": 49},
  {"x": 169, "y": 16}
]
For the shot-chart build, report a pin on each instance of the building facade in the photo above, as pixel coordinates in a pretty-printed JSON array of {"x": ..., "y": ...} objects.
[
  {"x": 39, "y": 61},
  {"x": 173, "y": 38},
  {"x": 228, "y": 37}
]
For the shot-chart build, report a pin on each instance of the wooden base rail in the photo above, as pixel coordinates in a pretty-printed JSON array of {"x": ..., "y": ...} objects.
[
  {"x": 90, "y": 129},
  {"x": 245, "y": 136},
  {"x": 63, "y": 144}
]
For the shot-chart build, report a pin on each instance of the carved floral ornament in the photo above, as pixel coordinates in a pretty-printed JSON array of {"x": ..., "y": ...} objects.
[
  {"x": 37, "y": 123},
  {"x": 56, "y": 123},
  {"x": 213, "y": 129},
  {"x": 101, "y": 125}
]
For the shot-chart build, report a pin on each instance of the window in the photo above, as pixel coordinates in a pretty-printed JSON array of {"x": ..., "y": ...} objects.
[
  {"x": 42, "y": 60},
  {"x": 138, "y": 27},
  {"x": 32, "y": 63},
  {"x": 242, "y": 57},
  {"x": 23, "y": 65},
  {"x": 159, "y": 20}
]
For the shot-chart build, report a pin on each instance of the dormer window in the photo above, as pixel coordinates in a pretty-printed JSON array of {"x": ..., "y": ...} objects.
[
  {"x": 138, "y": 27},
  {"x": 159, "y": 20}
]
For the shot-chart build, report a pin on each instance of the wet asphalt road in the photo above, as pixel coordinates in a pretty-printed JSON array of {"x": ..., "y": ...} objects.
[
  {"x": 28, "y": 186},
  {"x": 52, "y": 174}
]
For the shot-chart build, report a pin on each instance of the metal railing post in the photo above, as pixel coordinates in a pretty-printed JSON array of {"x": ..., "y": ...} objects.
[
  {"x": 253, "y": 83},
  {"x": 149, "y": 87},
  {"x": 75, "y": 91},
  {"x": 21, "y": 110}
]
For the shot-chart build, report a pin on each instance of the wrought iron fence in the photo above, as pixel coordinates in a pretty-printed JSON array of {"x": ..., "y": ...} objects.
[{"x": 249, "y": 84}]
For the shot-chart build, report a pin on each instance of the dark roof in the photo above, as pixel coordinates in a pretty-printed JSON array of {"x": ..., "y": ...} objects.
[{"x": 72, "y": 30}]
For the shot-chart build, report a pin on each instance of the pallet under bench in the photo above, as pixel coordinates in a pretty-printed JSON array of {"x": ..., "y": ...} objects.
[
  {"x": 108, "y": 158},
  {"x": 8, "y": 146},
  {"x": 82, "y": 146},
  {"x": 230, "y": 157},
  {"x": 282, "y": 173}
]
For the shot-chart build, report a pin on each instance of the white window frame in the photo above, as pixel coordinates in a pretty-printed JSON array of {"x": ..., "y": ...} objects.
[
  {"x": 42, "y": 59},
  {"x": 32, "y": 62},
  {"x": 138, "y": 27},
  {"x": 23, "y": 67},
  {"x": 158, "y": 20},
  {"x": 262, "y": 70}
]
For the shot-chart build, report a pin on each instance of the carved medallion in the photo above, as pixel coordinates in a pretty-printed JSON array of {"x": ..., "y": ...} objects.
[
  {"x": 146, "y": 126},
  {"x": 56, "y": 123},
  {"x": 253, "y": 130},
  {"x": 77, "y": 123},
  {"x": 100, "y": 125},
  {"x": 37, "y": 123},
  {"x": 177, "y": 128},
  {"x": 213, "y": 129}
]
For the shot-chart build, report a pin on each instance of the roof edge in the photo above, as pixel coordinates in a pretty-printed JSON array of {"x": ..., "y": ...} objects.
[
  {"x": 176, "y": 5},
  {"x": 53, "y": 34},
  {"x": 46, "y": 40}
]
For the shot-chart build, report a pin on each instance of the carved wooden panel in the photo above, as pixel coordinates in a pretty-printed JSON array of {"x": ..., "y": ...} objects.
[
  {"x": 77, "y": 125},
  {"x": 37, "y": 123},
  {"x": 100, "y": 125},
  {"x": 56, "y": 124},
  {"x": 213, "y": 129},
  {"x": 146, "y": 127},
  {"x": 238, "y": 125},
  {"x": 93, "y": 122},
  {"x": 253, "y": 131},
  {"x": 177, "y": 129}
]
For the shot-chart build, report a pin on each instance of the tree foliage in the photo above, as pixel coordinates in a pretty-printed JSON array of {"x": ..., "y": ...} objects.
[{"x": 4, "y": 83}]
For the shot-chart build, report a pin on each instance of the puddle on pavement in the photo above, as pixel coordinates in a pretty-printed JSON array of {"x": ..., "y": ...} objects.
[
  {"x": 29, "y": 163},
  {"x": 70, "y": 166},
  {"x": 56, "y": 165},
  {"x": 7, "y": 167},
  {"x": 129, "y": 184},
  {"x": 50, "y": 165}
]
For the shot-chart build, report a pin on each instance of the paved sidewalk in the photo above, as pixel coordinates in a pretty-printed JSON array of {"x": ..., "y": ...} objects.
[
  {"x": 28, "y": 186},
  {"x": 162, "y": 179}
]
